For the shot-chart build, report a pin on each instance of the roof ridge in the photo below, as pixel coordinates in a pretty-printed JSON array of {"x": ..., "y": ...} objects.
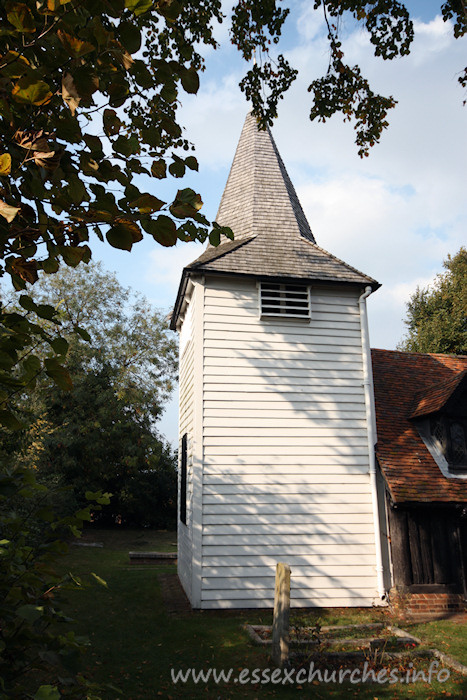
[{"x": 423, "y": 354}]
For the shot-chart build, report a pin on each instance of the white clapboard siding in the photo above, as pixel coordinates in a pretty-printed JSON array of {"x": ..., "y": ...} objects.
[
  {"x": 343, "y": 514},
  {"x": 345, "y": 562},
  {"x": 308, "y": 496},
  {"x": 299, "y": 583},
  {"x": 317, "y": 528},
  {"x": 333, "y": 571},
  {"x": 303, "y": 541},
  {"x": 285, "y": 361},
  {"x": 295, "y": 484},
  {"x": 260, "y": 593},
  {"x": 285, "y": 454},
  {"x": 276, "y": 464},
  {"x": 187, "y": 379},
  {"x": 307, "y": 602}
]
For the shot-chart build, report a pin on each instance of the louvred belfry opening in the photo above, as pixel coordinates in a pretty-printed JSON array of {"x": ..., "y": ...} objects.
[{"x": 289, "y": 300}]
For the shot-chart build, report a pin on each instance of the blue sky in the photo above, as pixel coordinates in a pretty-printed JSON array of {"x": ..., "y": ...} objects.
[{"x": 394, "y": 215}]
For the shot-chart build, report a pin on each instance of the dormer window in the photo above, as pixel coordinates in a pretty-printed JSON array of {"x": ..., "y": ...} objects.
[
  {"x": 449, "y": 436},
  {"x": 291, "y": 300}
]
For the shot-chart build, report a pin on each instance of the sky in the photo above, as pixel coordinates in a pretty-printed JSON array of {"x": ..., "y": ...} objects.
[{"x": 395, "y": 215}]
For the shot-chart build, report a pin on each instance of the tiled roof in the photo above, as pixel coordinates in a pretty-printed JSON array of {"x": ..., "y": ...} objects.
[
  {"x": 435, "y": 397},
  {"x": 401, "y": 380},
  {"x": 274, "y": 255}
]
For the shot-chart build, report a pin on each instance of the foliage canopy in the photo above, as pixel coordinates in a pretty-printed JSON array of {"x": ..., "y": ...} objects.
[
  {"x": 437, "y": 315},
  {"x": 89, "y": 91}
]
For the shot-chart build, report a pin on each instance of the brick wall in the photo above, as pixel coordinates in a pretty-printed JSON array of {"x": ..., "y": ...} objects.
[{"x": 422, "y": 606}]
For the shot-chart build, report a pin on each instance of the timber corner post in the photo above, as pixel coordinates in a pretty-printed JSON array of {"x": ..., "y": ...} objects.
[{"x": 281, "y": 619}]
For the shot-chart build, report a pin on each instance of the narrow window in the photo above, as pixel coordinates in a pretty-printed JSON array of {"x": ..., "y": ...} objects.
[
  {"x": 458, "y": 446},
  {"x": 183, "y": 461},
  {"x": 292, "y": 300}
]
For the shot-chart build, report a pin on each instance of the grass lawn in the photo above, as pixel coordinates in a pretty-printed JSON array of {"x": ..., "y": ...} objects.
[{"x": 135, "y": 643}]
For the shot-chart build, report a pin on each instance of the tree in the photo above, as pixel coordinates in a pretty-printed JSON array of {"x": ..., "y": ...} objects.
[
  {"x": 437, "y": 315},
  {"x": 88, "y": 103},
  {"x": 101, "y": 435},
  {"x": 123, "y": 333},
  {"x": 89, "y": 91},
  {"x": 99, "y": 441}
]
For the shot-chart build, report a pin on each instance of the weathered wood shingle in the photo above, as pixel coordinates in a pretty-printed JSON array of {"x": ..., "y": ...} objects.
[{"x": 272, "y": 236}]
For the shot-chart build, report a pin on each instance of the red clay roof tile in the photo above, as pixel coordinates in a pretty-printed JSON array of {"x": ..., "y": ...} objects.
[{"x": 408, "y": 384}]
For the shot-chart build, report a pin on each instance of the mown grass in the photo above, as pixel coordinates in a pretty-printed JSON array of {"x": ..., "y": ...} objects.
[{"x": 135, "y": 643}]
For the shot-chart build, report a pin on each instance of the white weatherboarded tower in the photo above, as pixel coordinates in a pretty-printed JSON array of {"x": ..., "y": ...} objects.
[{"x": 276, "y": 427}]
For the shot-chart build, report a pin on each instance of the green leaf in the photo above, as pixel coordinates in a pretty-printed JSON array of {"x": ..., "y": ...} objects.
[
  {"x": 76, "y": 190},
  {"x": 46, "y": 311},
  {"x": 58, "y": 373},
  {"x": 50, "y": 265},
  {"x": 83, "y": 333},
  {"x": 60, "y": 346},
  {"x": 142, "y": 76},
  {"x": 158, "y": 169},
  {"x": 74, "y": 255},
  {"x": 47, "y": 692},
  {"x": 30, "y": 613},
  {"x": 111, "y": 121},
  {"x": 165, "y": 231},
  {"x": 215, "y": 237},
  {"x": 170, "y": 9},
  {"x": 138, "y": 7},
  {"x": 29, "y": 90},
  {"x": 8, "y": 420},
  {"x": 190, "y": 80},
  {"x": 123, "y": 234},
  {"x": 186, "y": 204},
  {"x": 8, "y": 359},
  {"x": 126, "y": 146},
  {"x": 27, "y": 303},
  {"x": 32, "y": 366},
  {"x": 99, "y": 579},
  {"x": 83, "y": 514},
  {"x": 191, "y": 163},
  {"x": 130, "y": 36},
  {"x": 177, "y": 169}
]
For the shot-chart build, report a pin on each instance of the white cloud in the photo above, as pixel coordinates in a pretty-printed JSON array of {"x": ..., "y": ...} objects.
[{"x": 163, "y": 270}]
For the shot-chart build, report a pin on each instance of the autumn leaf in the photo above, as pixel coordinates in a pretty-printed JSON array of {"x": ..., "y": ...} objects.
[
  {"x": 147, "y": 203},
  {"x": 25, "y": 269},
  {"x": 13, "y": 65},
  {"x": 32, "y": 140},
  {"x": 30, "y": 91},
  {"x": 7, "y": 211},
  {"x": 74, "y": 46},
  {"x": 70, "y": 94},
  {"x": 123, "y": 234},
  {"x": 20, "y": 16},
  {"x": 50, "y": 160},
  {"x": 5, "y": 164}
]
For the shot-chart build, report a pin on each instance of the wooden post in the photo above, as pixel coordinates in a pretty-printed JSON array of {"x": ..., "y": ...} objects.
[{"x": 280, "y": 625}]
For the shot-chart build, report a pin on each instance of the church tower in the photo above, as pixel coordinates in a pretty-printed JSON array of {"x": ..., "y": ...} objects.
[{"x": 276, "y": 409}]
